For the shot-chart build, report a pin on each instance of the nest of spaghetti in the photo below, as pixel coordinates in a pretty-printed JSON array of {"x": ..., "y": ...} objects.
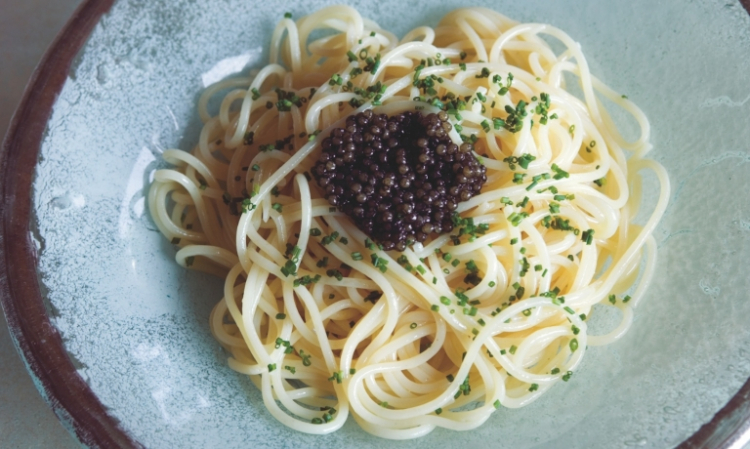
[{"x": 421, "y": 305}]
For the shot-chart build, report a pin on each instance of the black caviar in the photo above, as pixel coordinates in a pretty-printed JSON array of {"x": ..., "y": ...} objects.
[{"x": 399, "y": 178}]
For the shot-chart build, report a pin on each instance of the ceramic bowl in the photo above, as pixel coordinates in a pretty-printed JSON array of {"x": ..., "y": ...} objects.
[{"x": 116, "y": 335}]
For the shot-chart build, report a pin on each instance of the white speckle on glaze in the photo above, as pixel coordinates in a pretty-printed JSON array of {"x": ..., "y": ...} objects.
[
  {"x": 708, "y": 289},
  {"x": 725, "y": 101},
  {"x": 230, "y": 66}
]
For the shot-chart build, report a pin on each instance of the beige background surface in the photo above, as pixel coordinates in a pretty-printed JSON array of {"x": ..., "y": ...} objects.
[{"x": 27, "y": 28}]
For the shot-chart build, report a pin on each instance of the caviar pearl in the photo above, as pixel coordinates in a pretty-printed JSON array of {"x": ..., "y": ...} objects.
[{"x": 398, "y": 178}]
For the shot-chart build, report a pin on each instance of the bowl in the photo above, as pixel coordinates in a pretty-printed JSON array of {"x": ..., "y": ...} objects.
[{"x": 116, "y": 334}]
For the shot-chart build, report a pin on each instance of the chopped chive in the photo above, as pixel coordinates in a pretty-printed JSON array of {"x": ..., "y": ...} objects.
[
  {"x": 559, "y": 172},
  {"x": 280, "y": 316}
]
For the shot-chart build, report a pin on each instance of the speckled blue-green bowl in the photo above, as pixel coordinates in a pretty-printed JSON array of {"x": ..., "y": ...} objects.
[{"x": 85, "y": 273}]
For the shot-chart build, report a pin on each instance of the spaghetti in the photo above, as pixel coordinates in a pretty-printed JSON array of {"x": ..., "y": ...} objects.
[{"x": 327, "y": 323}]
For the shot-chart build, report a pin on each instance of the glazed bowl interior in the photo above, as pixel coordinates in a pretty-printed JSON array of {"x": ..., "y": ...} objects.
[{"x": 135, "y": 324}]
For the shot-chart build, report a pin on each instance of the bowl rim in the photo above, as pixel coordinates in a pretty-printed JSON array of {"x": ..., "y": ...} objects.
[{"x": 36, "y": 339}]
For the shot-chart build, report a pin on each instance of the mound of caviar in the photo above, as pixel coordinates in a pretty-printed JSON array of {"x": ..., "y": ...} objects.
[{"x": 399, "y": 178}]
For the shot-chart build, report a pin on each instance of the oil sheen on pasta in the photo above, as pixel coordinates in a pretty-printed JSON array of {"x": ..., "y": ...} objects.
[{"x": 326, "y": 323}]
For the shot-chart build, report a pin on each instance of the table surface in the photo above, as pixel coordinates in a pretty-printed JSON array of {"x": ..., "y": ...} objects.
[{"x": 27, "y": 28}]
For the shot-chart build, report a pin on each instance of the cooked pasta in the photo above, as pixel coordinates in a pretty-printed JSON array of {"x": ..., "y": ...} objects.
[{"x": 325, "y": 320}]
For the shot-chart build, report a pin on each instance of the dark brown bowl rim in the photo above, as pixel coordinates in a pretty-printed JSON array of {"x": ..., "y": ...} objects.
[{"x": 36, "y": 338}]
